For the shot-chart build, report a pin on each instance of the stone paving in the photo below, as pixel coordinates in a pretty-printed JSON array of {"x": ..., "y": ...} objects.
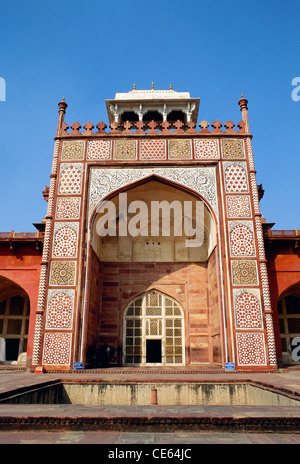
[
  {"x": 131, "y": 438},
  {"x": 285, "y": 380}
]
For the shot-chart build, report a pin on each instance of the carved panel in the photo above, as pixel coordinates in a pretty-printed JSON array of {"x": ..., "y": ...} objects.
[{"x": 200, "y": 179}]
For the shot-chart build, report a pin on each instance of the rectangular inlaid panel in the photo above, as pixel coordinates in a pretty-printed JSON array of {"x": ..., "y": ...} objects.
[
  {"x": 153, "y": 149},
  {"x": 70, "y": 178},
  {"x": 57, "y": 348},
  {"x": 73, "y": 150},
  {"x": 180, "y": 149},
  {"x": 62, "y": 273},
  {"x": 235, "y": 176},
  {"x": 233, "y": 148},
  {"x": 244, "y": 272},
  {"x": 99, "y": 150},
  {"x": 206, "y": 149},
  {"x": 251, "y": 349},
  {"x": 125, "y": 149},
  {"x": 68, "y": 208},
  {"x": 238, "y": 206}
]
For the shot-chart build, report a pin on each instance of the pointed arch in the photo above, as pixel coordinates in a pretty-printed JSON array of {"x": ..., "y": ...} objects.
[
  {"x": 159, "y": 196},
  {"x": 106, "y": 183}
]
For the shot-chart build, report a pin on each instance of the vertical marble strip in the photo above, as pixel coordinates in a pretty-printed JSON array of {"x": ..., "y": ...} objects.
[
  {"x": 51, "y": 197},
  {"x": 47, "y": 239},
  {"x": 53, "y": 178},
  {"x": 254, "y": 192},
  {"x": 260, "y": 238},
  {"x": 37, "y": 343},
  {"x": 250, "y": 154},
  {"x": 265, "y": 286},
  {"x": 42, "y": 288},
  {"x": 271, "y": 340}
]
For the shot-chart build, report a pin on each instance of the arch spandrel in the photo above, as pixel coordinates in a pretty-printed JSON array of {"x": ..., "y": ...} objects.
[{"x": 200, "y": 180}]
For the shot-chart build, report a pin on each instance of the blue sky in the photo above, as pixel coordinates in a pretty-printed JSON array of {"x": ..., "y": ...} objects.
[{"x": 88, "y": 51}]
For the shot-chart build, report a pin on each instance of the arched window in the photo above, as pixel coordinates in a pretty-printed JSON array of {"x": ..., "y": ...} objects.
[{"x": 153, "y": 331}]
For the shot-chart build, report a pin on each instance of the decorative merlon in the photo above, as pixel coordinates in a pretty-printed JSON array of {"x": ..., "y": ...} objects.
[{"x": 152, "y": 128}]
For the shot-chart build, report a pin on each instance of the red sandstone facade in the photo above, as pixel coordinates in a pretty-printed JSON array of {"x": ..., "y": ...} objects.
[{"x": 152, "y": 301}]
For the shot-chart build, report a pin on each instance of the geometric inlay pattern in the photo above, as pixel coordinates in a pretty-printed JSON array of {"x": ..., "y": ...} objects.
[
  {"x": 236, "y": 179},
  {"x": 59, "y": 311},
  {"x": 244, "y": 273},
  {"x": 247, "y": 311},
  {"x": 241, "y": 241},
  {"x": 152, "y": 149},
  {"x": 238, "y": 206},
  {"x": 200, "y": 179},
  {"x": 65, "y": 240},
  {"x": 124, "y": 149},
  {"x": 251, "y": 349},
  {"x": 62, "y": 273},
  {"x": 206, "y": 149},
  {"x": 57, "y": 348},
  {"x": 70, "y": 179},
  {"x": 233, "y": 148},
  {"x": 73, "y": 150},
  {"x": 99, "y": 149},
  {"x": 180, "y": 149},
  {"x": 68, "y": 207}
]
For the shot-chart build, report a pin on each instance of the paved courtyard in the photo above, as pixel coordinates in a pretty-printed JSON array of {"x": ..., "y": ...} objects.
[{"x": 128, "y": 433}]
